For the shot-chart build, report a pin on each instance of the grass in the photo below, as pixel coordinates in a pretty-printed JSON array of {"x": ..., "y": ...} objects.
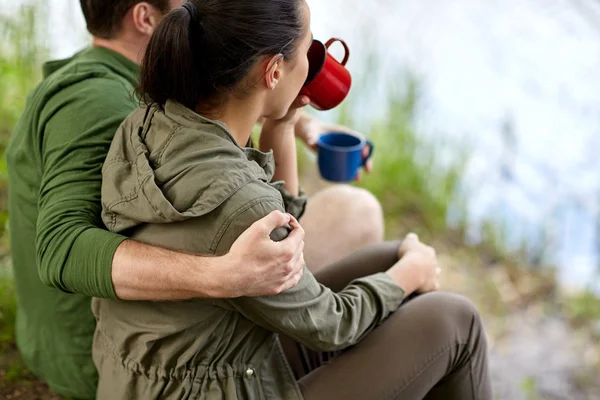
[
  {"x": 16, "y": 372},
  {"x": 8, "y": 305},
  {"x": 583, "y": 307},
  {"x": 529, "y": 388},
  {"x": 12, "y": 370},
  {"x": 415, "y": 190},
  {"x": 21, "y": 53}
]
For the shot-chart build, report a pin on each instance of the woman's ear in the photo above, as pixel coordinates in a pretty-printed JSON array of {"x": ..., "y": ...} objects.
[{"x": 273, "y": 71}]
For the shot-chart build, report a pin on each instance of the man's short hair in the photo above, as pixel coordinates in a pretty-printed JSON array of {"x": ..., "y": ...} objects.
[{"x": 104, "y": 18}]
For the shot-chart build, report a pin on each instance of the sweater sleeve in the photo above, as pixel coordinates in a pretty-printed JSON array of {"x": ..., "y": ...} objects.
[
  {"x": 74, "y": 251},
  {"x": 311, "y": 313}
]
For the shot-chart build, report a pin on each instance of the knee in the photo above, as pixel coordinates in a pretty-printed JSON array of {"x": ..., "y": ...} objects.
[
  {"x": 362, "y": 205},
  {"x": 367, "y": 204},
  {"x": 450, "y": 314}
]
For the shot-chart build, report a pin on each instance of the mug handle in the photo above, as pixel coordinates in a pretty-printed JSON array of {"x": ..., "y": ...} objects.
[
  {"x": 368, "y": 157},
  {"x": 346, "y": 48}
]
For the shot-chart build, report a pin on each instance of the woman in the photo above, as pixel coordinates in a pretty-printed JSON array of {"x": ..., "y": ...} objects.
[{"x": 177, "y": 175}]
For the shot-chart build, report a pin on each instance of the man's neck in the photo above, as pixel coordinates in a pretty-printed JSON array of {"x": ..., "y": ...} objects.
[{"x": 126, "y": 48}]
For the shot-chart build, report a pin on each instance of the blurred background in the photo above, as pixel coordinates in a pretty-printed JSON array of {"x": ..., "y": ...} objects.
[{"x": 486, "y": 120}]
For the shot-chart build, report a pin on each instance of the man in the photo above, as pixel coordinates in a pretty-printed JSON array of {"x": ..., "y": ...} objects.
[{"x": 55, "y": 158}]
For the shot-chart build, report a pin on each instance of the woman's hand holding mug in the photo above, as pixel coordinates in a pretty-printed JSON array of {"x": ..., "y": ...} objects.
[{"x": 417, "y": 270}]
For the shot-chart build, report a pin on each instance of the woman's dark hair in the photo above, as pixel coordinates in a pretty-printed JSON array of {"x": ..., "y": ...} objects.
[{"x": 197, "y": 57}]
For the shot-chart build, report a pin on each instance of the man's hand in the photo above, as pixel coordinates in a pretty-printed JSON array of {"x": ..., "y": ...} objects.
[{"x": 257, "y": 266}]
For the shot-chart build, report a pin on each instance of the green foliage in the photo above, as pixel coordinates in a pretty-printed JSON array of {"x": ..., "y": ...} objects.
[
  {"x": 529, "y": 388},
  {"x": 21, "y": 54},
  {"x": 583, "y": 307},
  {"x": 16, "y": 372},
  {"x": 416, "y": 188},
  {"x": 7, "y": 308}
]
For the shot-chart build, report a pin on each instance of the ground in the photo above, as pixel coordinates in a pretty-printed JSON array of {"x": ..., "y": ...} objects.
[
  {"x": 18, "y": 383},
  {"x": 544, "y": 342}
]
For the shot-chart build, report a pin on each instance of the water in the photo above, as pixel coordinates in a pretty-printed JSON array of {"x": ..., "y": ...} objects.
[{"x": 516, "y": 80}]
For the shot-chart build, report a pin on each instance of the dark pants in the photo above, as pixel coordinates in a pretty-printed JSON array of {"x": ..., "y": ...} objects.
[{"x": 433, "y": 347}]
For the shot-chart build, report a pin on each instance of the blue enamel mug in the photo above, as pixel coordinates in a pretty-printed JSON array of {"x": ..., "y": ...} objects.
[{"x": 340, "y": 156}]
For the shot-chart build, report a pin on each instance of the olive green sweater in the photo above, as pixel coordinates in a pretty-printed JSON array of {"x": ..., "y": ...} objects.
[{"x": 58, "y": 242}]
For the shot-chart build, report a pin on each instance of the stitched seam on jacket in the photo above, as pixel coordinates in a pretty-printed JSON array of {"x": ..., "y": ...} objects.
[
  {"x": 146, "y": 196},
  {"x": 218, "y": 203},
  {"x": 124, "y": 199},
  {"x": 126, "y": 361},
  {"x": 115, "y": 160},
  {"x": 161, "y": 152},
  {"x": 236, "y": 214},
  {"x": 141, "y": 370}
]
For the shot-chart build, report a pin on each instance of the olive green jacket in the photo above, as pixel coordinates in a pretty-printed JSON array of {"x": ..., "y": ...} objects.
[{"x": 175, "y": 179}]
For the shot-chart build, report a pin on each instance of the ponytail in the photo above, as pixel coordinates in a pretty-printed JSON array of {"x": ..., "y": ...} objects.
[{"x": 170, "y": 69}]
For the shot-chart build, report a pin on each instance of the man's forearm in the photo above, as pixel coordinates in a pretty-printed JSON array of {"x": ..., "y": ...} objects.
[
  {"x": 102, "y": 264},
  {"x": 280, "y": 138},
  {"x": 254, "y": 266},
  {"x": 143, "y": 272}
]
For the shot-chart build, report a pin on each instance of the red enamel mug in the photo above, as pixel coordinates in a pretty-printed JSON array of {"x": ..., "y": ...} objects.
[{"x": 328, "y": 81}]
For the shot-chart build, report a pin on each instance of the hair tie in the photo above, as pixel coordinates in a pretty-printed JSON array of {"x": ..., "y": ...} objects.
[{"x": 193, "y": 10}]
